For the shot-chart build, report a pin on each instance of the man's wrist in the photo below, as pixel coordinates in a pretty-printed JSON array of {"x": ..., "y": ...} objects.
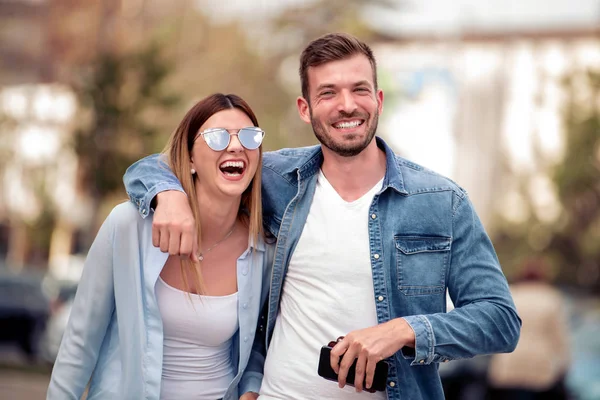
[
  {"x": 404, "y": 332},
  {"x": 163, "y": 194}
]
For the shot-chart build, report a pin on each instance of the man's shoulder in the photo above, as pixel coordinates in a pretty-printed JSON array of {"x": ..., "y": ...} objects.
[
  {"x": 288, "y": 159},
  {"x": 420, "y": 179}
]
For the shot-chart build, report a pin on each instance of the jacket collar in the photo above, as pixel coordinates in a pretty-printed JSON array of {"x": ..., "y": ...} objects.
[{"x": 393, "y": 174}]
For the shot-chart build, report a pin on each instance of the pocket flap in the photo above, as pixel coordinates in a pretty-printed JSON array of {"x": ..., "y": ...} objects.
[{"x": 422, "y": 244}]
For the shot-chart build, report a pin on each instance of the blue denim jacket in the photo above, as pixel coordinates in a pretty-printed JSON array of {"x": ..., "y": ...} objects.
[{"x": 425, "y": 239}]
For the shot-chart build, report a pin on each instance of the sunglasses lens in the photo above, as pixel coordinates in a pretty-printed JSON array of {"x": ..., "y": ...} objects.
[
  {"x": 217, "y": 139},
  {"x": 251, "y": 138}
]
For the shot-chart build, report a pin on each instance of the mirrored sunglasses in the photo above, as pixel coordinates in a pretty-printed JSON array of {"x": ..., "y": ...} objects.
[{"x": 219, "y": 138}]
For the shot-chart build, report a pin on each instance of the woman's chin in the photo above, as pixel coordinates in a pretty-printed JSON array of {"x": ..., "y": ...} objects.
[{"x": 233, "y": 189}]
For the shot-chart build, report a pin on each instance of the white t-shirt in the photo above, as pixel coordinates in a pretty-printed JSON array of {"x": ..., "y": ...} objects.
[{"x": 327, "y": 292}]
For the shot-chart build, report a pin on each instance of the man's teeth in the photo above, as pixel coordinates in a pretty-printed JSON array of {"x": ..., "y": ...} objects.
[
  {"x": 347, "y": 124},
  {"x": 232, "y": 164}
]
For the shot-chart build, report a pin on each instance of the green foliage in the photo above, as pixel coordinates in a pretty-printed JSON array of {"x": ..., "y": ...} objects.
[
  {"x": 571, "y": 244},
  {"x": 116, "y": 97}
]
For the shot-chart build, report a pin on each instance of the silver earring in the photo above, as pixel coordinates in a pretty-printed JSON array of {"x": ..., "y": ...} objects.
[{"x": 193, "y": 171}]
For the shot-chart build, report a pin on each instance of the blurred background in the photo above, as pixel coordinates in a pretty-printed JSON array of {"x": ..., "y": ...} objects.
[{"x": 502, "y": 96}]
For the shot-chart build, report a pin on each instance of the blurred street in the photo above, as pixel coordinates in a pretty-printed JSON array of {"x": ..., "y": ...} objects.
[
  {"x": 23, "y": 385},
  {"x": 18, "y": 380}
]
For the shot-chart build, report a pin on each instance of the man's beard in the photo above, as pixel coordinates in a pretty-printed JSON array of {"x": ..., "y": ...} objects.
[{"x": 345, "y": 149}]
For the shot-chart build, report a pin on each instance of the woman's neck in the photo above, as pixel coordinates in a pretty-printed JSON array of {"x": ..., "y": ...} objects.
[{"x": 217, "y": 215}]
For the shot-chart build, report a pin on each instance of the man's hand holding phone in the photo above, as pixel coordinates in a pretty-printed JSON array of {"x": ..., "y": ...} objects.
[{"x": 369, "y": 346}]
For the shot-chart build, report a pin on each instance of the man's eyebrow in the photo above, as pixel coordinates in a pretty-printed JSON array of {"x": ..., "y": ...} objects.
[
  {"x": 333, "y": 86},
  {"x": 325, "y": 86},
  {"x": 363, "y": 83}
]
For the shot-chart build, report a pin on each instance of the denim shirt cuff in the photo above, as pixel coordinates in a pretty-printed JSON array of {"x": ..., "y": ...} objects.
[
  {"x": 423, "y": 352},
  {"x": 250, "y": 382},
  {"x": 144, "y": 203}
]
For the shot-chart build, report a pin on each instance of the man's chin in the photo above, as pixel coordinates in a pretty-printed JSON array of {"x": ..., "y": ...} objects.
[{"x": 347, "y": 150}]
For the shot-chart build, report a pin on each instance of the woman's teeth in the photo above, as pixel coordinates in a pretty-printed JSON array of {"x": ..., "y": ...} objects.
[
  {"x": 233, "y": 164},
  {"x": 232, "y": 168}
]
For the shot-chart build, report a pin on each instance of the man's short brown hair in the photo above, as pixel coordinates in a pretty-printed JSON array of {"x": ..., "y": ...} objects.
[{"x": 332, "y": 47}]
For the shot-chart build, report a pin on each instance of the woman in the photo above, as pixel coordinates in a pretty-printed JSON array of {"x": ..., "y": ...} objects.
[{"x": 148, "y": 325}]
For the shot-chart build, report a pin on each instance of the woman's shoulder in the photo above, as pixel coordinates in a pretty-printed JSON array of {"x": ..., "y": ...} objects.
[
  {"x": 125, "y": 210},
  {"x": 125, "y": 214}
]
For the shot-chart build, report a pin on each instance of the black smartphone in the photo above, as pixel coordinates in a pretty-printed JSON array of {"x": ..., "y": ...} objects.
[{"x": 325, "y": 370}]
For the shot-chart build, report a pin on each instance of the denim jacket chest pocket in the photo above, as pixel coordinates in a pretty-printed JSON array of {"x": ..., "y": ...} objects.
[{"x": 421, "y": 263}]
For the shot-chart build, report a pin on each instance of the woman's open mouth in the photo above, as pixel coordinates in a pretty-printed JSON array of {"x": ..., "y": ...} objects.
[{"x": 233, "y": 170}]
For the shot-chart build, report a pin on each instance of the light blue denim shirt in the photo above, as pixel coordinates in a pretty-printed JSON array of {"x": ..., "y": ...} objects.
[
  {"x": 115, "y": 334},
  {"x": 425, "y": 238}
]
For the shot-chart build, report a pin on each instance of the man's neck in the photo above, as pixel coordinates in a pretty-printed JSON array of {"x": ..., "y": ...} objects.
[{"x": 352, "y": 177}]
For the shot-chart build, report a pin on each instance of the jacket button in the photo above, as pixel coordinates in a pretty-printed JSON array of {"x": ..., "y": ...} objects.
[
  {"x": 376, "y": 256},
  {"x": 380, "y": 298},
  {"x": 373, "y": 216},
  {"x": 392, "y": 384}
]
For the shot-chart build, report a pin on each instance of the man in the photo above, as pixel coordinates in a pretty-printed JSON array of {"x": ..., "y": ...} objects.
[{"x": 367, "y": 245}]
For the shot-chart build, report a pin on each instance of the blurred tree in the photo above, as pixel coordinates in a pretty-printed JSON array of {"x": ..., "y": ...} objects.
[
  {"x": 114, "y": 98},
  {"x": 576, "y": 243},
  {"x": 572, "y": 242},
  {"x": 305, "y": 22}
]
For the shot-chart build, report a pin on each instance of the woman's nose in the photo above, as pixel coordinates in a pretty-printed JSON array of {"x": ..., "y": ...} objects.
[{"x": 234, "y": 144}]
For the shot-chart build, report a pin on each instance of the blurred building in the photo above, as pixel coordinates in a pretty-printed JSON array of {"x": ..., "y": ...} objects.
[{"x": 484, "y": 107}]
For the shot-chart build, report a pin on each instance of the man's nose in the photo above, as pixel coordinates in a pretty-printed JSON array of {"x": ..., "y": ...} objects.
[{"x": 347, "y": 103}]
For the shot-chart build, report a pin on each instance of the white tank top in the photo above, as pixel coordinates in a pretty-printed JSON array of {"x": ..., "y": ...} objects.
[{"x": 197, "y": 343}]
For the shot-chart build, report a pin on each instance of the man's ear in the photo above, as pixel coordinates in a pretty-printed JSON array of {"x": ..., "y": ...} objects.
[
  {"x": 380, "y": 101},
  {"x": 303, "y": 109}
]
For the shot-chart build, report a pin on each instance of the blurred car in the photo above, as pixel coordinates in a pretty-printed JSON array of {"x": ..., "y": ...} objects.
[
  {"x": 24, "y": 311},
  {"x": 57, "y": 323}
]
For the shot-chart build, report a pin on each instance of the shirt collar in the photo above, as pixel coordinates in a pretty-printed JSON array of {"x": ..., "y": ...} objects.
[{"x": 393, "y": 174}]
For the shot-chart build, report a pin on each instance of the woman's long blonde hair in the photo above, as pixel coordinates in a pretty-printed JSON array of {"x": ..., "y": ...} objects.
[{"x": 178, "y": 152}]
